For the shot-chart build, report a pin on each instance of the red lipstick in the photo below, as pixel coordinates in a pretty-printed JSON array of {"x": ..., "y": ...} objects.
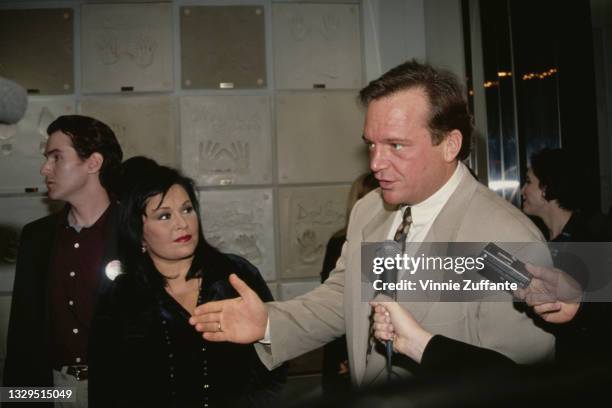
[{"x": 184, "y": 238}]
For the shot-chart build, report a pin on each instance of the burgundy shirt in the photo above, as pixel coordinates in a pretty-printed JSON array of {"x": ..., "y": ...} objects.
[{"x": 73, "y": 287}]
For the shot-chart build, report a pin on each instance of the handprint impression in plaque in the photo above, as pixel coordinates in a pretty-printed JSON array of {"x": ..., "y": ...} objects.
[
  {"x": 241, "y": 243},
  {"x": 222, "y": 157},
  {"x": 312, "y": 229},
  {"x": 232, "y": 154},
  {"x": 139, "y": 48},
  {"x": 317, "y": 30},
  {"x": 242, "y": 239},
  {"x": 245, "y": 244}
]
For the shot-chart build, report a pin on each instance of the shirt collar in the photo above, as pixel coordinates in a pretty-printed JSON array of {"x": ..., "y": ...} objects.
[
  {"x": 100, "y": 223},
  {"x": 425, "y": 211}
]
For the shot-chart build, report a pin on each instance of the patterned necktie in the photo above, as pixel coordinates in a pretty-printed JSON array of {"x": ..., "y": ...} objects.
[
  {"x": 402, "y": 230},
  {"x": 400, "y": 237}
]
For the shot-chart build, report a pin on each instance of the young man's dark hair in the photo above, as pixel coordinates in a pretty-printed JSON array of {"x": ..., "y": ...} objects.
[
  {"x": 88, "y": 136},
  {"x": 447, "y": 105},
  {"x": 557, "y": 178}
]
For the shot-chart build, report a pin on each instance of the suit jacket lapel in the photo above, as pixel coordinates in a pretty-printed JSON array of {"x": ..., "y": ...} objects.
[
  {"x": 446, "y": 225},
  {"x": 376, "y": 230},
  {"x": 48, "y": 236},
  {"x": 443, "y": 229},
  {"x": 110, "y": 250}
]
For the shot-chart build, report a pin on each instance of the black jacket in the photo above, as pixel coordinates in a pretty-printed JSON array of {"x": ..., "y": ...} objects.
[
  {"x": 143, "y": 351},
  {"x": 28, "y": 360}
]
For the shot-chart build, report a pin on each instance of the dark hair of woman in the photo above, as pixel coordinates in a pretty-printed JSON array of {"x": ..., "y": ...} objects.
[
  {"x": 558, "y": 178},
  {"x": 142, "y": 179},
  {"x": 143, "y": 318}
]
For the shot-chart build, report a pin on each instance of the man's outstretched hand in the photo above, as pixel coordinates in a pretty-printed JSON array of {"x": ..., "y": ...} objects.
[{"x": 239, "y": 320}]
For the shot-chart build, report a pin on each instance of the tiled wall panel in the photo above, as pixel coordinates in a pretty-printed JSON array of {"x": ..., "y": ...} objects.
[
  {"x": 126, "y": 46},
  {"x": 36, "y": 49}
]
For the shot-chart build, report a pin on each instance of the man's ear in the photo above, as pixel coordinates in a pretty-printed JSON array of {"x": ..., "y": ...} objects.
[
  {"x": 94, "y": 162},
  {"x": 452, "y": 145}
]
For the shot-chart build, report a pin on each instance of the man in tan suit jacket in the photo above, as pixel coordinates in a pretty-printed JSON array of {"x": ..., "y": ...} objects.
[{"x": 417, "y": 130}]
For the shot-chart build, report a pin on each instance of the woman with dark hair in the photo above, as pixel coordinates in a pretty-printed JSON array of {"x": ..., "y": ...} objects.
[
  {"x": 552, "y": 192},
  {"x": 143, "y": 350}
]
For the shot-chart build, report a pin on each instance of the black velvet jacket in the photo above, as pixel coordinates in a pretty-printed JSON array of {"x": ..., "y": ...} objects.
[
  {"x": 144, "y": 352},
  {"x": 585, "y": 339}
]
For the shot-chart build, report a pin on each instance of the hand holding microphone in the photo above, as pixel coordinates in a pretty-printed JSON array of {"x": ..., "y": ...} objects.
[
  {"x": 389, "y": 249},
  {"x": 394, "y": 323}
]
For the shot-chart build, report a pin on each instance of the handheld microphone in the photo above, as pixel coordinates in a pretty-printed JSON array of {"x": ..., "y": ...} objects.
[
  {"x": 13, "y": 102},
  {"x": 389, "y": 249}
]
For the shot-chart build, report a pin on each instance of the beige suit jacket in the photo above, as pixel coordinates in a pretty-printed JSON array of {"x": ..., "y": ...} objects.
[{"x": 473, "y": 213}]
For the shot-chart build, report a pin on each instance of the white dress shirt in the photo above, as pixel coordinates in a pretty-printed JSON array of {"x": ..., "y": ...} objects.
[{"x": 424, "y": 213}]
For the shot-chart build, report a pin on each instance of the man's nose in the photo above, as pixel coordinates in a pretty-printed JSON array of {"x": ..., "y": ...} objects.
[
  {"x": 45, "y": 168},
  {"x": 378, "y": 160}
]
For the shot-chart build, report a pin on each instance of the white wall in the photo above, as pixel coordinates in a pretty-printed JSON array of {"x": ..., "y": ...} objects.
[
  {"x": 394, "y": 31},
  {"x": 397, "y": 30},
  {"x": 444, "y": 35}
]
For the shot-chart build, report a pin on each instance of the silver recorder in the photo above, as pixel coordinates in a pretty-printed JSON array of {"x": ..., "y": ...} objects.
[{"x": 502, "y": 266}]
